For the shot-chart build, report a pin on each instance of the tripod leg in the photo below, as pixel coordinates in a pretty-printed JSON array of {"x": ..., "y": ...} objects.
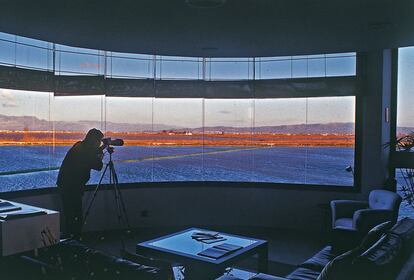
[
  {"x": 88, "y": 209},
  {"x": 114, "y": 182},
  {"x": 121, "y": 199}
]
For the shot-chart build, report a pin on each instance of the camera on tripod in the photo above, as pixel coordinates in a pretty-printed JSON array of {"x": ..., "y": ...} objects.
[
  {"x": 115, "y": 142},
  {"x": 108, "y": 143}
]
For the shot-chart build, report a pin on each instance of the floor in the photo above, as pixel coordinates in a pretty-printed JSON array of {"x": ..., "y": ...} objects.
[{"x": 287, "y": 248}]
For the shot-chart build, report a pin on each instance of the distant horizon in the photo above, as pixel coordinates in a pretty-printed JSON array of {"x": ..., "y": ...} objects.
[
  {"x": 184, "y": 112},
  {"x": 165, "y": 126}
]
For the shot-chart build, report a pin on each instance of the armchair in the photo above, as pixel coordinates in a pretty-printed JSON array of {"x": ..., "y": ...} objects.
[{"x": 352, "y": 217}]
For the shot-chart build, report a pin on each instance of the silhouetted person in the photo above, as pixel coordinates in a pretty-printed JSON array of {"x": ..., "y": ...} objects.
[{"x": 74, "y": 173}]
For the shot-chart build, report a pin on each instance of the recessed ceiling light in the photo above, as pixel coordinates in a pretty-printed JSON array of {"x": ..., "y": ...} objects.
[{"x": 205, "y": 3}]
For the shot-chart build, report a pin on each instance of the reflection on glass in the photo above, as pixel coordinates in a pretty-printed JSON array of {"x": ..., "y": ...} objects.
[
  {"x": 180, "y": 68},
  {"x": 34, "y": 57},
  {"x": 7, "y": 53},
  {"x": 228, "y": 150},
  {"x": 341, "y": 66},
  {"x": 229, "y": 69},
  {"x": 279, "y": 135},
  {"x": 299, "y": 67},
  {"x": 273, "y": 68},
  {"x": 178, "y": 139},
  {"x": 78, "y": 61},
  {"x": 31, "y": 53},
  {"x": 316, "y": 66},
  {"x": 133, "y": 124},
  {"x": 121, "y": 65}
]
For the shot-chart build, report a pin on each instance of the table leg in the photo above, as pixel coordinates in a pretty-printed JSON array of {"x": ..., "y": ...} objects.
[{"x": 263, "y": 258}]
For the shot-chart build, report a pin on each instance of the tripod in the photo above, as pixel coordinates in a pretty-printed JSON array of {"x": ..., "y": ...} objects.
[{"x": 122, "y": 216}]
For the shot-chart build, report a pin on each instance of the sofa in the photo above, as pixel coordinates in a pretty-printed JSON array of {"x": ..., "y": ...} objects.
[
  {"x": 73, "y": 260},
  {"x": 385, "y": 253}
]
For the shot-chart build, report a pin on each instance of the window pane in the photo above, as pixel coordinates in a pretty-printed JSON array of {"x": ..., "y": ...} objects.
[
  {"x": 299, "y": 67},
  {"x": 178, "y": 140},
  {"x": 405, "y": 126},
  {"x": 405, "y": 112},
  {"x": 180, "y": 68},
  {"x": 228, "y": 69},
  {"x": 73, "y": 116},
  {"x": 34, "y": 57},
  {"x": 6, "y": 36},
  {"x": 130, "y": 66},
  {"x": 405, "y": 187},
  {"x": 228, "y": 147},
  {"x": 279, "y": 132},
  {"x": 26, "y": 140},
  {"x": 33, "y": 42},
  {"x": 130, "y": 119},
  {"x": 7, "y": 52},
  {"x": 316, "y": 66},
  {"x": 331, "y": 140},
  {"x": 341, "y": 66},
  {"x": 78, "y": 61},
  {"x": 274, "y": 68}
]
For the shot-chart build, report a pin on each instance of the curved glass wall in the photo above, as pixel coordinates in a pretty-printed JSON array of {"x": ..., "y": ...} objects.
[
  {"x": 23, "y": 52},
  {"x": 293, "y": 141},
  {"x": 284, "y": 140}
]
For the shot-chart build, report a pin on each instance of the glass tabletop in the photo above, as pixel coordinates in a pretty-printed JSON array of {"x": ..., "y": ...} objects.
[{"x": 183, "y": 243}]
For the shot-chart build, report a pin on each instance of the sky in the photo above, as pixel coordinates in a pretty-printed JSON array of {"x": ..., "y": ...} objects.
[
  {"x": 405, "y": 109},
  {"x": 183, "y": 112}
]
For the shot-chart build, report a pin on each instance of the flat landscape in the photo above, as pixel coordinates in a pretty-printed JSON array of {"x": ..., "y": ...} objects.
[{"x": 182, "y": 138}]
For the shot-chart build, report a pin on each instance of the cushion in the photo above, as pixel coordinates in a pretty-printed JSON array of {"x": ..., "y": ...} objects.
[
  {"x": 404, "y": 228},
  {"x": 303, "y": 273},
  {"x": 320, "y": 259},
  {"x": 343, "y": 222},
  {"x": 341, "y": 267},
  {"x": 374, "y": 235},
  {"x": 383, "y": 199},
  {"x": 383, "y": 259},
  {"x": 384, "y": 250}
]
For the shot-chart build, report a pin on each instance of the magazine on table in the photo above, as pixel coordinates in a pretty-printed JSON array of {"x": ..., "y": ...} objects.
[{"x": 219, "y": 251}]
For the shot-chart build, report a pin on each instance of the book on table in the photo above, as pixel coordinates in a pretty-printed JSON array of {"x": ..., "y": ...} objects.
[{"x": 219, "y": 251}]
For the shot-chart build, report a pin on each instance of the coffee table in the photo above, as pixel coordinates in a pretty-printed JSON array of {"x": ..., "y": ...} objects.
[{"x": 180, "y": 248}]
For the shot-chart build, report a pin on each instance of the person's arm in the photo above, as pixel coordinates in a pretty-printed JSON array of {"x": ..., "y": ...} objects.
[
  {"x": 91, "y": 158},
  {"x": 96, "y": 160}
]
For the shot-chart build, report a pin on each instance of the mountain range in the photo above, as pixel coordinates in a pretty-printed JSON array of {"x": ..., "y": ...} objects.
[{"x": 31, "y": 123}]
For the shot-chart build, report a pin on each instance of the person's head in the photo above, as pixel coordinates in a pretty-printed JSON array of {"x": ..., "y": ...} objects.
[{"x": 94, "y": 137}]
